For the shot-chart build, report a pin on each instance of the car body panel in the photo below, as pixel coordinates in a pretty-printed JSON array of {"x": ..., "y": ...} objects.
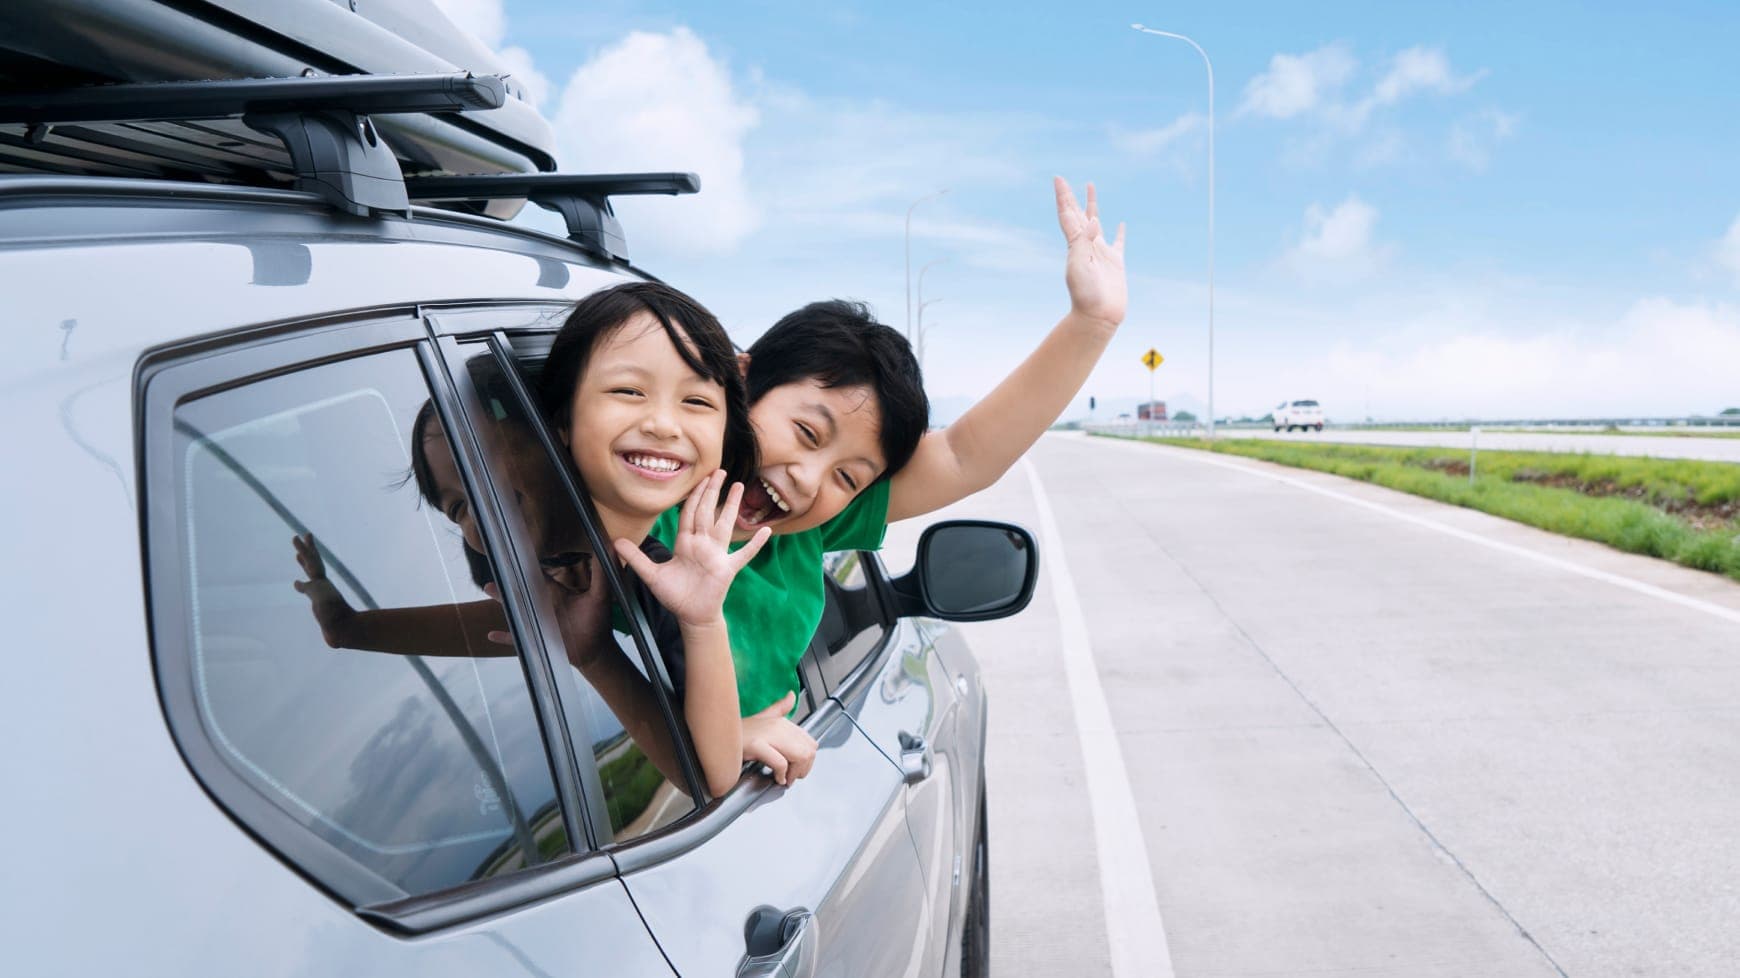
[
  {"x": 835, "y": 844},
  {"x": 103, "y": 273}
]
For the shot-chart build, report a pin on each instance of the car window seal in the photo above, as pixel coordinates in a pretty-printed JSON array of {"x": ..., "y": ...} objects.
[
  {"x": 531, "y": 645},
  {"x": 461, "y": 904}
]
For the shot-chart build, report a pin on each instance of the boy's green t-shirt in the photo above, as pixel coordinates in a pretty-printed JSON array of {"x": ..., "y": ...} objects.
[{"x": 775, "y": 603}]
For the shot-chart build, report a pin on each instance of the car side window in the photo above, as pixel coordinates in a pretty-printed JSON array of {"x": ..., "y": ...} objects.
[
  {"x": 619, "y": 705},
  {"x": 852, "y": 625},
  {"x": 346, "y": 662}
]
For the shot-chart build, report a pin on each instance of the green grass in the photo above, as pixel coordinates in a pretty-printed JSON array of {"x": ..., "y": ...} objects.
[
  {"x": 1679, "y": 510},
  {"x": 1711, "y": 432},
  {"x": 629, "y": 783}
]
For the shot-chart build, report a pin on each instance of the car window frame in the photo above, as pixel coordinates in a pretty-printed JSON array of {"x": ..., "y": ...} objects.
[
  {"x": 451, "y": 346},
  {"x": 170, "y": 376},
  {"x": 842, "y": 678},
  {"x": 537, "y": 323}
]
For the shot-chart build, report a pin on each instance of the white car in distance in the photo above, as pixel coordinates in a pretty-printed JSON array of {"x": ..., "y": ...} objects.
[{"x": 1298, "y": 414}]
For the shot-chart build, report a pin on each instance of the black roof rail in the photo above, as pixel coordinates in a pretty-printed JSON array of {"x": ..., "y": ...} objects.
[
  {"x": 321, "y": 119},
  {"x": 583, "y": 199}
]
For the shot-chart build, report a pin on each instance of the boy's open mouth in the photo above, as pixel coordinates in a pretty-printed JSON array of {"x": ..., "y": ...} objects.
[
  {"x": 762, "y": 504},
  {"x": 653, "y": 465}
]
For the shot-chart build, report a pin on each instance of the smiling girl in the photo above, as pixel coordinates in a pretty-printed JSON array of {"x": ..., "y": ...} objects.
[{"x": 642, "y": 389}]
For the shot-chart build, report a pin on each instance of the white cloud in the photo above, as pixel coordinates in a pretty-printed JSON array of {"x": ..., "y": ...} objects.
[
  {"x": 1298, "y": 83},
  {"x": 1312, "y": 86},
  {"x": 1728, "y": 250},
  {"x": 1421, "y": 69},
  {"x": 1661, "y": 358},
  {"x": 1339, "y": 243},
  {"x": 1473, "y": 139},
  {"x": 483, "y": 19},
  {"x": 662, "y": 102},
  {"x": 1147, "y": 142},
  {"x": 486, "y": 20}
]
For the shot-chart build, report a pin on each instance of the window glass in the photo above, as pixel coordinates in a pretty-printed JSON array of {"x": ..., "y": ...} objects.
[
  {"x": 340, "y": 636},
  {"x": 846, "y": 567},
  {"x": 619, "y": 715},
  {"x": 851, "y": 626}
]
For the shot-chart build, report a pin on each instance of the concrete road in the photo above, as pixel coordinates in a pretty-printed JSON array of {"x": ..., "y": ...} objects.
[
  {"x": 1360, "y": 734},
  {"x": 1656, "y": 446}
]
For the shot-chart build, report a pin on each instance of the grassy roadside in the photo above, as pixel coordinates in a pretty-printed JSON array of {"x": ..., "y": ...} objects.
[
  {"x": 1684, "y": 511},
  {"x": 1606, "y": 432}
]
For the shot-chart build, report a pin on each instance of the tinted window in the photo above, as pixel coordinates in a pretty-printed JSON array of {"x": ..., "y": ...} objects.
[
  {"x": 351, "y": 680},
  {"x": 615, "y": 709},
  {"x": 851, "y": 626}
]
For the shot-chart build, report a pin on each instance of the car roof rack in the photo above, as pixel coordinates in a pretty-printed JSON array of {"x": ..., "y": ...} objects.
[
  {"x": 322, "y": 120},
  {"x": 583, "y": 200}
]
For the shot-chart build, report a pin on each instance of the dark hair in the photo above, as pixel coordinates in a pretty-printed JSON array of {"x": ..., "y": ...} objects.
[
  {"x": 478, "y": 564},
  {"x": 694, "y": 331},
  {"x": 840, "y": 344}
]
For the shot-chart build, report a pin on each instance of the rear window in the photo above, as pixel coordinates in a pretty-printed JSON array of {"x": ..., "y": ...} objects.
[
  {"x": 1304, "y": 403},
  {"x": 421, "y": 761}
]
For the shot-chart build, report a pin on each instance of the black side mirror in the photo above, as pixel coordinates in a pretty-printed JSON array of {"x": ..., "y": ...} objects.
[{"x": 970, "y": 570}]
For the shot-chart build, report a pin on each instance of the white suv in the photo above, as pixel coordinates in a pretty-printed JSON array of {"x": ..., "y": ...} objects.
[{"x": 1298, "y": 414}]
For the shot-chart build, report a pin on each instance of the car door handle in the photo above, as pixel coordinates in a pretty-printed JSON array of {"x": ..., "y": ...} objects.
[
  {"x": 915, "y": 760},
  {"x": 779, "y": 943}
]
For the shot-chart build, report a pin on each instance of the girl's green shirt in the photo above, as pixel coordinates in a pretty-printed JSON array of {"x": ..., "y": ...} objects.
[{"x": 775, "y": 603}]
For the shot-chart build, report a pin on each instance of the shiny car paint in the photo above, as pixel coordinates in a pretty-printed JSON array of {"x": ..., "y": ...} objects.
[{"x": 114, "y": 835}]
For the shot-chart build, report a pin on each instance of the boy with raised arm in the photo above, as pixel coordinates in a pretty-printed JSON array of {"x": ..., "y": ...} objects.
[{"x": 840, "y": 418}]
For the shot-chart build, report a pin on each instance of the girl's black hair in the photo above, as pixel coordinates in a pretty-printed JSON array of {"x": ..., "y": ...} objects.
[
  {"x": 696, "y": 333},
  {"x": 478, "y": 564}
]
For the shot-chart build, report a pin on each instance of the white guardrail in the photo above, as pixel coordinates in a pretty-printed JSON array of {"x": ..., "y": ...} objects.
[{"x": 1195, "y": 429}]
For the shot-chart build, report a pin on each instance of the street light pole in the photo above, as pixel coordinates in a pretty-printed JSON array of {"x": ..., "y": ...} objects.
[
  {"x": 918, "y": 334},
  {"x": 909, "y": 211},
  {"x": 1210, "y": 66}
]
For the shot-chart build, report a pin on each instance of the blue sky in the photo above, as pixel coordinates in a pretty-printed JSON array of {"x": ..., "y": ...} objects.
[{"x": 1505, "y": 210}]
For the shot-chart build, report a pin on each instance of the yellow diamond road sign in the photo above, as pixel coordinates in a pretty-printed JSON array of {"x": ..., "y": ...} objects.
[{"x": 1152, "y": 359}]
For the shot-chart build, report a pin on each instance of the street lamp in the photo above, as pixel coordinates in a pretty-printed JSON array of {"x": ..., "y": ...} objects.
[
  {"x": 1210, "y": 65},
  {"x": 909, "y": 211},
  {"x": 920, "y": 331}
]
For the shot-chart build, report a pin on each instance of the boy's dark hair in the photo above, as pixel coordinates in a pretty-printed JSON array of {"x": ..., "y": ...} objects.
[
  {"x": 695, "y": 332},
  {"x": 840, "y": 344}
]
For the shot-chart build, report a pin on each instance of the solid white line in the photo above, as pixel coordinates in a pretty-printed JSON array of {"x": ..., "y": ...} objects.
[
  {"x": 1571, "y": 566},
  {"x": 1135, "y": 936}
]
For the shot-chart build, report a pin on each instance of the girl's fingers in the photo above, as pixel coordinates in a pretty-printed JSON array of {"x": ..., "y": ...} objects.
[
  {"x": 747, "y": 552},
  {"x": 775, "y": 761},
  {"x": 1118, "y": 245},
  {"x": 690, "y": 517},
  {"x": 727, "y": 517},
  {"x": 1093, "y": 207},
  {"x": 640, "y": 563},
  {"x": 708, "y": 516}
]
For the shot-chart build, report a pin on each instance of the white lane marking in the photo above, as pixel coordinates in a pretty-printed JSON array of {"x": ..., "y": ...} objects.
[
  {"x": 1135, "y": 936},
  {"x": 1617, "y": 580}
]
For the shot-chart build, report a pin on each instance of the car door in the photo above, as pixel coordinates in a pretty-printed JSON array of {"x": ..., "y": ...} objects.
[
  {"x": 886, "y": 675},
  {"x": 413, "y": 796},
  {"x": 819, "y": 878}
]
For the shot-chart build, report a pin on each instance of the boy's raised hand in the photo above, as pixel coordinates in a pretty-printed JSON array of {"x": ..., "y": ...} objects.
[
  {"x": 1094, "y": 270},
  {"x": 692, "y": 584}
]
